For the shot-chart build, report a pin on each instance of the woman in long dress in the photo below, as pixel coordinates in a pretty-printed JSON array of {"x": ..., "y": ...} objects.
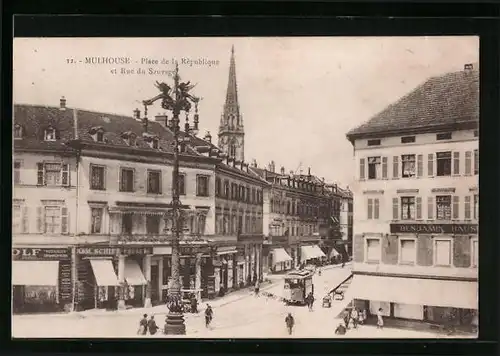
[{"x": 380, "y": 319}]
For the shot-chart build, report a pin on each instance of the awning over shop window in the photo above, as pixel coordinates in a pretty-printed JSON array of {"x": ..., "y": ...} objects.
[
  {"x": 35, "y": 273},
  {"x": 104, "y": 273},
  {"x": 280, "y": 255},
  {"x": 226, "y": 251},
  {"x": 418, "y": 291},
  {"x": 309, "y": 252},
  {"x": 133, "y": 273}
]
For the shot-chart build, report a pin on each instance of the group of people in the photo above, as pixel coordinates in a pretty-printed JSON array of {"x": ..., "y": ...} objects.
[
  {"x": 358, "y": 317},
  {"x": 146, "y": 325}
]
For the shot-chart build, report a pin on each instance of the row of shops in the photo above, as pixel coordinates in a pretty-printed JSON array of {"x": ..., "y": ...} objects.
[
  {"x": 112, "y": 277},
  {"x": 283, "y": 258}
]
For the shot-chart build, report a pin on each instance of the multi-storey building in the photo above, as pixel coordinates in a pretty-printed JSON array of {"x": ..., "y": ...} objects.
[
  {"x": 416, "y": 204},
  {"x": 297, "y": 214},
  {"x": 43, "y": 210},
  {"x": 346, "y": 218}
]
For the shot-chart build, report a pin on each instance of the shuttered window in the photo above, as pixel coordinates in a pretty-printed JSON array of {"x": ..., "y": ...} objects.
[
  {"x": 395, "y": 167},
  {"x": 419, "y": 208},
  {"x": 430, "y": 164},
  {"x": 362, "y": 168},
  {"x": 456, "y": 163},
  {"x": 476, "y": 161},
  {"x": 430, "y": 208},
  {"x": 25, "y": 219},
  {"x": 182, "y": 184},
  {"x": 127, "y": 180},
  {"x": 407, "y": 251},
  {"x": 468, "y": 162},
  {"x": 395, "y": 209},
  {"x": 370, "y": 208},
  {"x": 420, "y": 165},
  {"x": 376, "y": 209},
  {"x": 456, "y": 207},
  {"x": 384, "y": 167},
  {"x": 442, "y": 252},
  {"x": 16, "y": 219},
  {"x": 53, "y": 174},
  {"x": 475, "y": 253},
  {"x": 467, "y": 208},
  {"x": 373, "y": 250}
]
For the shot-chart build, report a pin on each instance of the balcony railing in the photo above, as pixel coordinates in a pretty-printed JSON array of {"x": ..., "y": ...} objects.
[{"x": 154, "y": 238}]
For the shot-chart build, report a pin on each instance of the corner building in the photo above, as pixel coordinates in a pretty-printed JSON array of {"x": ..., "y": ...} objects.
[{"x": 416, "y": 205}]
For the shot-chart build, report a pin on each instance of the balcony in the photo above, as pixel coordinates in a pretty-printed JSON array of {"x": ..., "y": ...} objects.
[{"x": 154, "y": 238}]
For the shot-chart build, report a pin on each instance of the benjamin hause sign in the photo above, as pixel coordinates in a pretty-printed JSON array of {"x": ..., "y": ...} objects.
[
  {"x": 41, "y": 254},
  {"x": 455, "y": 229}
]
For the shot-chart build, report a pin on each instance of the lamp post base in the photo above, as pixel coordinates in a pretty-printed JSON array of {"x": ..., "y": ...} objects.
[{"x": 174, "y": 324}]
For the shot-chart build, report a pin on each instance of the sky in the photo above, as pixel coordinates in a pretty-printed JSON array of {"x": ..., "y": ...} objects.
[{"x": 299, "y": 96}]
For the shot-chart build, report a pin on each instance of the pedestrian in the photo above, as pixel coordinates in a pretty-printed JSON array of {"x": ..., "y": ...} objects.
[
  {"x": 194, "y": 304},
  {"x": 143, "y": 325},
  {"x": 380, "y": 319},
  {"x": 361, "y": 317},
  {"x": 257, "y": 288},
  {"x": 347, "y": 317},
  {"x": 365, "y": 315},
  {"x": 208, "y": 315},
  {"x": 311, "y": 301},
  {"x": 153, "y": 328},
  {"x": 340, "y": 330},
  {"x": 354, "y": 318},
  {"x": 290, "y": 322}
]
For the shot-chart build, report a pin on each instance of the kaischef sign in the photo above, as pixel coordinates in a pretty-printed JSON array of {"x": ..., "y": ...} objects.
[{"x": 41, "y": 254}]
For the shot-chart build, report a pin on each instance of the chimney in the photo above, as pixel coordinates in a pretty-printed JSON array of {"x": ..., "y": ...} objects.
[
  {"x": 468, "y": 66},
  {"x": 309, "y": 171},
  {"x": 137, "y": 114},
  {"x": 208, "y": 137},
  {"x": 62, "y": 103},
  {"x": 162, "y": 119},
  {"x": 272, "y": 166},
  {"x": 254, "y": 163},
  {"x": 282, "y": 170}
]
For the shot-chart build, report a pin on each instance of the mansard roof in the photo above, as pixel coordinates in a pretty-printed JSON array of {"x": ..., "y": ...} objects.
[{"x": 447, "y": 101}]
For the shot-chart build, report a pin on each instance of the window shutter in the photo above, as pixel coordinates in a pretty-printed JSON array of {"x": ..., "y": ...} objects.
[
  {"x": 25, "y": 220},
  {"x": 40, "y": 219},
  {"x": 384, "y": 167},
  {"x": 467, "y": 210},
  {"x": 419, "y": 207},
  {"x": 64, "y": 220},
  {"x": 430, "y": 165},
  {"x": 468, "y": 162},
  {"x": 370, "y": 208},
  {"x": 362, "y": 168},
  {"x": 40, "y": 174},
  {"x": 456, "y": 163},
  {"x": 420, "y": 165},
  {"x": 430, "y": 208},
  {"x": 395, "y": 167},
  {"x": 376, "y": 208},
  {"x": 395, "y": 209},
  {"x": 136, "y": 183},
  {"x": 120, "y": 180},
  {"x": 456, "y": 207},
  {"x": 65, "y": 174}
]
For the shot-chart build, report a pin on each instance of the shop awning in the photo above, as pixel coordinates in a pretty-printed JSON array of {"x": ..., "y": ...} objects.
[
  {"x": 308, "y": 252},
  {"x": 226, "y": 251},
  {"x": 418, "y": 291},
  {"x": 35, "y": 273},
  {"x": 104, "y": 273},
  {"x": 133, "y": 273},
  {"x": 334, "y": 253},
  {"x": 280, "y": 255}
]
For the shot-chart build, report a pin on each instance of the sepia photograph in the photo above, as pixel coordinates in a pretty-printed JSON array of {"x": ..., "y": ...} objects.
[{"x": 245, "y": 187}]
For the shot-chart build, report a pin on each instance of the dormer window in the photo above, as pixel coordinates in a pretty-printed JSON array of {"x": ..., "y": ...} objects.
[
  {"x": 152, "y": 141},
  {"x": 129, "y": 137},
  {"x": 97, "y": 133},
  {"x": 18, "y": 132},
  {"x": 155, "y": 144},
  {"x": 50, "y": 134}
]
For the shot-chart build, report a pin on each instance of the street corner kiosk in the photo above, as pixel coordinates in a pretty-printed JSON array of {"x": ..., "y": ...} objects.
[{"x": 41, "y": 279}]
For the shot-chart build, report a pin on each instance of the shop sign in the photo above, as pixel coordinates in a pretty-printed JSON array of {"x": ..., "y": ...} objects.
[
  {"x": 97, "y": 251},
  {"x": 137, "y": 250},
  {"x": 65, "y": 285},
  {"x": 41, "y": 254},
  {"x": 455, "y": 229},
  {"x": 194, "y": 250}
]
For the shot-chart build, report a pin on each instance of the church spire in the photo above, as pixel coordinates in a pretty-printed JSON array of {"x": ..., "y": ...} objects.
[{"x": 231, "y": 133}]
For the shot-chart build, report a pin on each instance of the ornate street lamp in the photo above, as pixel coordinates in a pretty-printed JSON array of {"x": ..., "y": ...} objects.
[{"x": 176, "y": 100}]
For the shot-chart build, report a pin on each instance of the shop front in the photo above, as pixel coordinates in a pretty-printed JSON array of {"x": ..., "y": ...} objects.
[
  {"x": 98, "y": 285},
  {"x": 41, "y": 279},
  {"x": 280, "y": 260},
  {"x": 226, "y": 262},
  {"x": 431, "y": 301},
  {"x": 137, "y": 269},
  {"x": 311, "y": 254}
]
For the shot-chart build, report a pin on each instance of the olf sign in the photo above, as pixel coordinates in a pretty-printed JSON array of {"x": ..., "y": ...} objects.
[{"x": 20, "y": 253}]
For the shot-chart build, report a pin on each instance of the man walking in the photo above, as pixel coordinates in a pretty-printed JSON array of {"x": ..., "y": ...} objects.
[
  {"x": 354, "y": 318},
  {"x": 290, "y": 322},
  {"x": 208, "y": 315},
  {"x": 143, "y": 325}
]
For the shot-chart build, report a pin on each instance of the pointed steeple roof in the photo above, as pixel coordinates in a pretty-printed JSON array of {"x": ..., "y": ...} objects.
[{"x": 231, "y": 104}]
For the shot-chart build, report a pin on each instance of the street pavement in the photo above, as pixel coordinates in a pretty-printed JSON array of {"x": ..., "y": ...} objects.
[{"x": 238, "y": 315}]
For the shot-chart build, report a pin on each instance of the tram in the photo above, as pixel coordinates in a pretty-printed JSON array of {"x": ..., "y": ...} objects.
[{"x": 298, "y": 284}]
